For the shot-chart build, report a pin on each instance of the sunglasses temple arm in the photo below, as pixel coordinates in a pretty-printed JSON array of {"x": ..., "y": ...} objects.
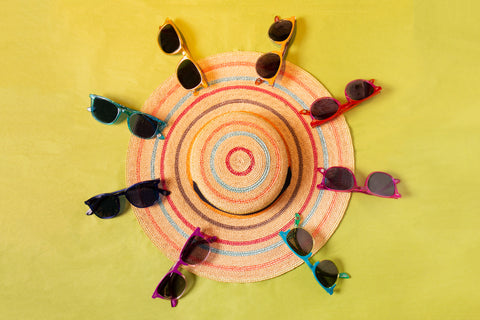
[
  {"x": 89, "y": 212},
  {"x": 344, "y": 275},
  {"x": 350, "y": 105},
  {"x": 316, "y": 123}
]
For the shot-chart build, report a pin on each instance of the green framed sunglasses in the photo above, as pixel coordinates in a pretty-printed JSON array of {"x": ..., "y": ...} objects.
[{"x": 140, "y": 124}]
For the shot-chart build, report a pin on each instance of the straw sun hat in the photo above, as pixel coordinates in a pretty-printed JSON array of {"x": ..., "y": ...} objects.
[{"x": 240, "y": 161}]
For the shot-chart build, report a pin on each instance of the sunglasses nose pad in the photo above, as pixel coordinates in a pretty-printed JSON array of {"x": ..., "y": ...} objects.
[{"x": 123, "y": 203}]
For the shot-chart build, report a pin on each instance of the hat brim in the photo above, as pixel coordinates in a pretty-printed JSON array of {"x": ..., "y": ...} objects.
[{"x": 245, "y": 215}]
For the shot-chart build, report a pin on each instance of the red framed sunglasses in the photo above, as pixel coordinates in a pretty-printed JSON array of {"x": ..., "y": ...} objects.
[{"x": 326, "y": 108}]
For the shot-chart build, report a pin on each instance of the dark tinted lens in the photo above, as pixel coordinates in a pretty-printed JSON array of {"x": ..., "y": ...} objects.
[
  {"x": 142, "y": 195},
  {"x": 381, "y": 183},
  {"x": 280, "y": 30},
  {"x": 104, "y": 110},
  {"x": 171, "y": 286},
  {"x": 323, "y": 108},
  {"x": 300, "y": 241},
  {"x": 188, "y": 75},
  {"x": 104, "y": 207},
  {"x": 195, "y": 251},
  {"x": 142, "y": 126},
  {"x": 168, "y": 39},
  {"x": 267, "y": 65},
  {"x": 339, "y": 179},
  {"x": 326, "y": 272},
  {"x": 359, "y": 89}
]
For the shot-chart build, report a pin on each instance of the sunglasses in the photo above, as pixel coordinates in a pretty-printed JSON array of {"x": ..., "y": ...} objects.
[
  {"x": 300, "y": 242},
  {"x": 141, "y": 195},
  {"x": 173, "y": 284},
  {"x": 140, "y": 124},
  {"x": 327, "y": 108},
  {"x": 269, "y": 64},
  {"x": 189, "y": 73},
  {"x": 378, "y": 183}
]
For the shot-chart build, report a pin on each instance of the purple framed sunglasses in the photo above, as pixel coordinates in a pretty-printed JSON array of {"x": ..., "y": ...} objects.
[
  {"x": 173, "y": 284},
  {"x": 378, "y": 183}
]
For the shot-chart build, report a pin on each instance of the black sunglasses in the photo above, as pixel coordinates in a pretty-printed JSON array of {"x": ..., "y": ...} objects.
[
  {"x": 189, "y": 73},
  {"x": 141, "y": 195}
]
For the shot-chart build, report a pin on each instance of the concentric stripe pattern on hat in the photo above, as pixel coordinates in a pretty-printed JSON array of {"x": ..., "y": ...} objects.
[{"x": 240, "y": 161}]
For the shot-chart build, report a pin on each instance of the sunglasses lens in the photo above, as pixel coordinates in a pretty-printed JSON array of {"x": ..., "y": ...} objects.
[
  {"x": 142, "y": 195},
  {"x": 171, "y": 286},
  {"x": 267, "y": 65},
  {"x": 188, "y": 75},
  {"x": 280, "y": 30},
  {"x": 323, "y": 108},
  {"x": 300, "y": 241},
  {"x": 339, "y": 179},
  {"x": 195, "y": 251},
  {"x": 359, "y": 90},
  {"x": 381, "y": 184},
  {"x": 104, "y": 110},
  {"x": 104, "y": 207},
  {"x": 327, "y": 273},
  {"x": 168, "y": 39},
  {"x": 142, "y": 126}
]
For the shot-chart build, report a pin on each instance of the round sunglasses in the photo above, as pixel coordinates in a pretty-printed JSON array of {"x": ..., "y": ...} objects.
[
  {"x": 141, "y": 195},
  {"x": 300, "y": 242},
  {"x": 326, "y": 108},
  {"x": 189, "y": 73},
  {"x": 269, "y": 64},
  {"x": 378, "y": 183},
  {"x": 173, "y": 285},
  {"x": 140, "y": 124}
]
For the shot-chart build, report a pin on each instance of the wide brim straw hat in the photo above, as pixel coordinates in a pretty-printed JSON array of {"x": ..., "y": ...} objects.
[{"x": 240, "y": 161}]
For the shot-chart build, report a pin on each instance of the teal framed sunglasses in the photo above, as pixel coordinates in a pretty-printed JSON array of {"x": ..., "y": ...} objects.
[
  {"x": 300, "y": 242},
  {"x": 140, "y": 124}
]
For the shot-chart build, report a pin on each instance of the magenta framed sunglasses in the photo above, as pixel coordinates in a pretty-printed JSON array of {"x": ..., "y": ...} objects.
[
  {"x": 196, "y": 250},
  {"x": 326, "y": 108},
  {"x": 378, "y": 183}
]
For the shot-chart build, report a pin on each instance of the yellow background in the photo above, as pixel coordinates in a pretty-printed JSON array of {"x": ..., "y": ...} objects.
[{"x": 413, "y": 258}]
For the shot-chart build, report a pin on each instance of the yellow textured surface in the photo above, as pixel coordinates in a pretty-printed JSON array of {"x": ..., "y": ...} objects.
[{"x": 413, "y": 258}]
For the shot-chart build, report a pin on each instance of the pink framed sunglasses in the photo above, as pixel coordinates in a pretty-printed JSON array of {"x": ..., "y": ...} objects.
[
  {"x": 378, "y": 183},
  {"x": 326, "y": 108},
  {"x": 173, "y": 284}
]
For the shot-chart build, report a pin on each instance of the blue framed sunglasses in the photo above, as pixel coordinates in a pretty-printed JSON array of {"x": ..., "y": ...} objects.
[
  {"x": 140, "y": 124},
  {"x": 300, "y": 242}
]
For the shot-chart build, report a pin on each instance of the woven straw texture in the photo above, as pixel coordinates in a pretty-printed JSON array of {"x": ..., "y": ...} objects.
[{"x": 240, "y": 162}]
